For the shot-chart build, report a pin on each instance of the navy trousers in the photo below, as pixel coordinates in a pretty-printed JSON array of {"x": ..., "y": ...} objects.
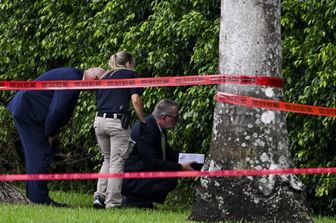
[
  {"x": 38, "y": 157},
  {"x": 143, "y": 193}
]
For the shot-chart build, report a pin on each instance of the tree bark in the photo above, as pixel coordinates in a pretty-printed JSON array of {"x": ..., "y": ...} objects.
[
  {"x": 10, "y": 194},
  {"x": 250, "y": 138}
]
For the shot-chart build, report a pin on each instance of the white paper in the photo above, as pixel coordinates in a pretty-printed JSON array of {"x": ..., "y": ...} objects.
[{"x": 187, "y": 157}]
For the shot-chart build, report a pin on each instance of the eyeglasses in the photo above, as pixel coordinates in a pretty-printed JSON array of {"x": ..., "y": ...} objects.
[{"x": 173, "y": 116}]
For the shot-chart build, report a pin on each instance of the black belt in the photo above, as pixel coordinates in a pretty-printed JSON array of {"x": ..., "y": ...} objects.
[{"x": 109, "y": 115}]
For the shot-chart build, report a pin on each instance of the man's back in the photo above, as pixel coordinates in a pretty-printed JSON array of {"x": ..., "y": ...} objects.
[
  {"x": 135, "y": 161},
  {"x": 36, "y": 105}
]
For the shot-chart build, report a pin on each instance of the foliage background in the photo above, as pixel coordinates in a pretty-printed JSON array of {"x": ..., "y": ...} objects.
[
  {"x": 167, "y": 38},
  {"x": 309, "y": 58}
]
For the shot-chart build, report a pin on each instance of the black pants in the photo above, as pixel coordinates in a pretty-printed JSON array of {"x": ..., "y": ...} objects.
[
  {"x": 38, "y": 157},
  {"x": 143, "y": 193}
]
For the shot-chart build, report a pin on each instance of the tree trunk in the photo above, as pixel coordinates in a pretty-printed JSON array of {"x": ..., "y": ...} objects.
[
  {"x": 250, "y": 138},
  {"x": 10, "y": 194}
]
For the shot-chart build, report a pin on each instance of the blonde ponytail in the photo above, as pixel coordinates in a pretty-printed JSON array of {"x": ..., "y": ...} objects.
[{"x": 121, "y": 60}]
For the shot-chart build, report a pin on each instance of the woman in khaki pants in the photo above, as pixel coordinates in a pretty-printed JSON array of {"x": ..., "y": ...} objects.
[{"x": 112, "y": 136}]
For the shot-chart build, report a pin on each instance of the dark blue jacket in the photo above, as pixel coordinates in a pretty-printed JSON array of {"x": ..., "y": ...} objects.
[
  {"x": 147, "y": 153},
  {"x": 116, "y": 100},
  {"x": 49, "y": 109},
  {"x": 147, "y": 156}
]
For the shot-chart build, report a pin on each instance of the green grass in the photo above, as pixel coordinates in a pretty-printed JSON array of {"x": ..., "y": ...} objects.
[{"x": 81, "y": 211}]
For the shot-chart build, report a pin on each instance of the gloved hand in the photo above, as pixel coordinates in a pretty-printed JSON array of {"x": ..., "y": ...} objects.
[
  {"x": 51, "y": 140},
  {"x": 54, "y": 143},
  {"x": 142, "y": 130}
]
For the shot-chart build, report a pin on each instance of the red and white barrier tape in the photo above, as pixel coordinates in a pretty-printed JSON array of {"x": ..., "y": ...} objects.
[
  {"x": 142, "y": 82},
  {"x": 175, "y": 81},
  {"x": 169, "y": 174},
  {"x": 274, "y": 105}
]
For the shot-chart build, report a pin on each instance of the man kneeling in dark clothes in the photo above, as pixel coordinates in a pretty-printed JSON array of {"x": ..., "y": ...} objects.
[{"x": 151, "y": 152}]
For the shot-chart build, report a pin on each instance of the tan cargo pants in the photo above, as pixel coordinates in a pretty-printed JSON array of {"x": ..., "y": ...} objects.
[{"x": 113, "y": 142}]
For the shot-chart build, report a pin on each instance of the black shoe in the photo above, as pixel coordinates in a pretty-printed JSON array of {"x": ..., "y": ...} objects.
[
  {"x": 98, "y": 202},
  {"x": 57, "y": 205}
]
